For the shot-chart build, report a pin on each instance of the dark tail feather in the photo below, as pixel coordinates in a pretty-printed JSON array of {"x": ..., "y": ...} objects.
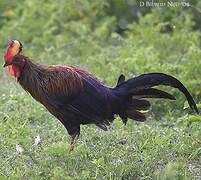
[
  {"x": 121, "y": 79},
  {"x": 147, "y": 81},
  {"x": 153, "y": 93},
  {"x": 138, "y": 104},
  {"x": 135, "y": 115},
  {"x": 148, "y": 93},
  {"x": 133, "y": 108}
]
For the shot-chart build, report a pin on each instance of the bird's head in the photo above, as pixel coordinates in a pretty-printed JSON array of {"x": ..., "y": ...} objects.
[{"x": 14, "y": 48}]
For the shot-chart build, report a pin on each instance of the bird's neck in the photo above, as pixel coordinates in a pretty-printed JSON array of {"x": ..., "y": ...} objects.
[{"x": 31, "y": 77}]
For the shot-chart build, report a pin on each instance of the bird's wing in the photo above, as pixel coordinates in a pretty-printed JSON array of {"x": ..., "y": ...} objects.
[
  {"x": 92, "y": 102},
  {"x": 80, "y": 94}
]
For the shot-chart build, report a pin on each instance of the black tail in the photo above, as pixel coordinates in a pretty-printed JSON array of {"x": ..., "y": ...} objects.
[{"x": 141, "y": 87}]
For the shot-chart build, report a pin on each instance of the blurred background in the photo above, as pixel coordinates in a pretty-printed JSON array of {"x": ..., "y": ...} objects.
[{"x": 107, "y": 38}]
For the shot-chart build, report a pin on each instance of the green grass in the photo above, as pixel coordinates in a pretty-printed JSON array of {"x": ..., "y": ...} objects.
[
  {"x": 84, "y": 33},
  {"x": 169, "y": 148}
]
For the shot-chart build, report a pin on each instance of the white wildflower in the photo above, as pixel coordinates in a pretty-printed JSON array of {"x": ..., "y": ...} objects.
[
  {"x": 37, "y": 140},
  {"x": 19, "y": 149}
]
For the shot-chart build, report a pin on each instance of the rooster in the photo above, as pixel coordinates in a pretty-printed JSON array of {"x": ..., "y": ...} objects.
[{"x": 75, "y": 97}]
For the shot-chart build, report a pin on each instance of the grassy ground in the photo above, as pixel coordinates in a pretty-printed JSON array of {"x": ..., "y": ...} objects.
[
  {"x": 165, "y": 149},
  {"x": 34, "y": 145}
]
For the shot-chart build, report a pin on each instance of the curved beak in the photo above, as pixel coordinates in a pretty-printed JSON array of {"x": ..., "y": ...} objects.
[{"x": 7, "y": 63}]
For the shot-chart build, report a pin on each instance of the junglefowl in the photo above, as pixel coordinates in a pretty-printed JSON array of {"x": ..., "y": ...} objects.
[{"x": 75, "y": 97}]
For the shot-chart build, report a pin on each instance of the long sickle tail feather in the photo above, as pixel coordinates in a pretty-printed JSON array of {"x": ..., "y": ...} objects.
[
  {"x": 153, "y": 93},
  {"x": 147, "y": 93},
  {"x": 143, "y": 84}
]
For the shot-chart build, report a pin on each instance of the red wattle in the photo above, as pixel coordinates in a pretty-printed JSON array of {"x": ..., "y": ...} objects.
[{"x": 14, "y": 71}]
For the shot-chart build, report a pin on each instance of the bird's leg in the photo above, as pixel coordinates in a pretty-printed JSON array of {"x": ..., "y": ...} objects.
[
  {"x": 73, "y": 139},
  {"x": 74, "y": 132}
]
